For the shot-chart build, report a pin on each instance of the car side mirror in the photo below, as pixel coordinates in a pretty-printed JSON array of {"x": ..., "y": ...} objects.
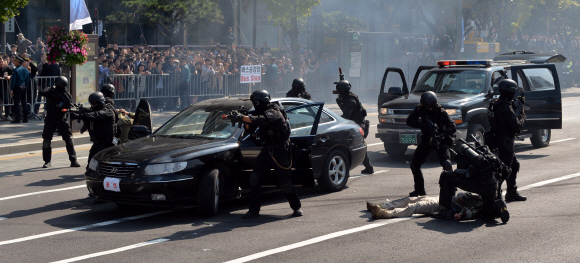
[
  {"x": 140, "y": 131},
  {"x": 494, "y": 91},
  {"x": 398, "y": 91}
]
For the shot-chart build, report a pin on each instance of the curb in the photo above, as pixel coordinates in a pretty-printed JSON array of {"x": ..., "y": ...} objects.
[{"x": 57, "y": 142}]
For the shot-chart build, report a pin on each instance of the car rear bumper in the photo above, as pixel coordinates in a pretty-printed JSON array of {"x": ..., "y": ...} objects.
[{"x": 178, "y": 189}]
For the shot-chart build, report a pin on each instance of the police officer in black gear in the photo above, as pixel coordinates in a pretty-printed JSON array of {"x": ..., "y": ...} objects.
[
  {"x": 505, "y": 125},
  {"x": 108, "y": 91},
  {"x": 353, "y": 110},
  {"x": 438, "y": 133},
  {"x": 99, "y": 121},
  {"x": 274, "y": 131},
  {"x": 298, "y": 90},
  {"x": 58, "y": 100},
  {"x": 478, "y": 171}
]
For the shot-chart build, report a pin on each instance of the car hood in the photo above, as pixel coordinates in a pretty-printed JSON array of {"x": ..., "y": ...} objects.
[
  {"x": 157, "y": 150},
  {"x": 448, "y": 100}
]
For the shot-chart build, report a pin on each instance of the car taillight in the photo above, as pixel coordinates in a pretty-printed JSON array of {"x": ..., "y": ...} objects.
[{"x": 361, "y": 131}]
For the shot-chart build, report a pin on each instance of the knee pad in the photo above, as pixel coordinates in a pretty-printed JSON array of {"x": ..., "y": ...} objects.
[
  {"x": 254, "y": 179},
  {"x": 46, "y": 143},
  {"x": 515, "y": 166},
  {"x": 447, "y": 165},
  {"x": 287, "y": 187}
]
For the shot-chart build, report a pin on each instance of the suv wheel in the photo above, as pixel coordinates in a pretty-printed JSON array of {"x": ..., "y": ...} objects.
[
  {"x": 208, "y": 193},
  {"x": 541, "y": 138},
  {"x": 477, "y": 130},
  {"x": 395, "y": 149},
  {"x": 335, "y": 172}
]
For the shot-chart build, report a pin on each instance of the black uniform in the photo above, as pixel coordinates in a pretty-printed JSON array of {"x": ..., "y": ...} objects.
[
  {"x": 295, "y": 93},
  {"x": 353, "y": 110},
  {"x": 446, "y": 130},
  {"x": 504, "y": 126},
  {"x": 480, "y": 175},
  {"x": 100, "y": 122},
  {"x": 275, "y": 133},
  {"x": 56, "y": 119}
]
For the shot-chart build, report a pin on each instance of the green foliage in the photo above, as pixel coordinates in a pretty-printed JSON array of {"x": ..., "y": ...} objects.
[
  {"x": 284, "y": 11},
  {"x": 340, "y": 22},
  {"x": 168, "y": 17},
  {"x": 9, "y": 8}
]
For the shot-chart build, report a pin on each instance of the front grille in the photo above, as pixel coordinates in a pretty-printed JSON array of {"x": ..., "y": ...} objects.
[
  {"x": 402, "y": 111},
  {"x": 116, "y": 170}
]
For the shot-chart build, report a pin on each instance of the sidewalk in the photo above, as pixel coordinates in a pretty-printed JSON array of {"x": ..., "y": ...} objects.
[{"x": 25, "y": 137}]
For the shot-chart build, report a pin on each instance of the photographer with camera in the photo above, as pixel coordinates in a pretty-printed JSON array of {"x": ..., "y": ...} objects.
[
  {"x": 438, "y": 133},
  {"x": 100, "y": 121},
  {"x": 57, "y": 100}
]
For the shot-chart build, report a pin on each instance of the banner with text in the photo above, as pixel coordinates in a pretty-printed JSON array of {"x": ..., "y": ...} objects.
[{"x": 251, "y": 73}]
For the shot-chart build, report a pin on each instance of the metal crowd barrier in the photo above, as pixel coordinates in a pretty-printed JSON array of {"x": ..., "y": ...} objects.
[
  {"x": 39, "y": 83},
  {"x": 6, "y": 101}
]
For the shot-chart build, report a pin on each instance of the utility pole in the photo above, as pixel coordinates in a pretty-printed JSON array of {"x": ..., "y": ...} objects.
[{"x": 255, "y": 22}]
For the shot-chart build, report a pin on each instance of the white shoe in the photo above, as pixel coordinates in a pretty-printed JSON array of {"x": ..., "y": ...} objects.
[{"x": 8, "y": 118}]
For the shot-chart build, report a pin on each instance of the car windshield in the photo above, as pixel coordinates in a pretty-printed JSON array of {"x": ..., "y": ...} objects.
[
  {"x": 457, "y": 81},
  {"x": 198, "y": 123}
]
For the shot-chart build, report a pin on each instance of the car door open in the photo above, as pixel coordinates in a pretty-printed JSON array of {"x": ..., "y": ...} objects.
[
  {"x": 399, "y": 89},
  {"x": 304, "y": 120}
]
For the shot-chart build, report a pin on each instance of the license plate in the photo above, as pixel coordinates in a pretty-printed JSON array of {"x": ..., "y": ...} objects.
[
  {"x": 112, "y": 184},
  {"x": 408, "y": 138}
]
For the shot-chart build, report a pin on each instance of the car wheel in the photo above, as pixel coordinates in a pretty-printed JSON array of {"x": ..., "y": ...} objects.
[
  {"x": 476, "y": 130},
  {"x": 335, "y": 172},
  {"x": 395, "y": 150},
  {"x": 208, "y": 193},
  {"x": 541, "y": 138}
]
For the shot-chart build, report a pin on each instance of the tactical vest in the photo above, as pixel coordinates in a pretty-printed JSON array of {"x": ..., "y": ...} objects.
[{"x": 277, "y": 131}]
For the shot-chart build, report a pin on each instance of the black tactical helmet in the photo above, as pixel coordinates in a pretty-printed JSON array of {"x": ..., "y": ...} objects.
[
  {"x": 298, "y": 83},
  {"x": 260, "y": 95},
  {"x": 343, "y": 86},
  {"x": 96, "y": 97},
  {"x": 429, "y": 99},
  {"x": 507, "y": 86},
  {"x": 61, "y": 82},
  {"x": 108, "y": 90}
]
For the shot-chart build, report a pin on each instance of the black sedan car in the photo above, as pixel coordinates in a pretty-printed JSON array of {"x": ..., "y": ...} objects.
[{"x": 198, "y": 157}]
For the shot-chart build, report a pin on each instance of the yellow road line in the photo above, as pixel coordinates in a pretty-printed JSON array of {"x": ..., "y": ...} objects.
[{"x": 35, "y": 154}]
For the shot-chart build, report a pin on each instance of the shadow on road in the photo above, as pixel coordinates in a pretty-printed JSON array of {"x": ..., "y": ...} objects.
[{"x": 453, "y": 227}]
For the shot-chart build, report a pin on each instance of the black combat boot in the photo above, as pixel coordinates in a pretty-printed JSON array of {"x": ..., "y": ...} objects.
[
  {"x": 74, "y": 163},
  {"x": 444, "y": 213},
  {"x": 369, "y": 170},
  {"x": 417, "y": 193},
  {"x": 46, "y": 156},
  {"x": 297, "y": 212},
  {"x": 514, "y": 195},
  {"x": 251, "y": 214}
]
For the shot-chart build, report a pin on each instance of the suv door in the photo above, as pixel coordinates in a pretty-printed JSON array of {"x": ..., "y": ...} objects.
[
  {"x": 543, "y": 95},
  {"x": 420, "y": 73},
  {"x": 384, "y": 95}
]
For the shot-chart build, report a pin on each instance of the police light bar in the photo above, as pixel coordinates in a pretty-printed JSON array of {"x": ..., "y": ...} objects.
[{"x": 443, "y": 63}]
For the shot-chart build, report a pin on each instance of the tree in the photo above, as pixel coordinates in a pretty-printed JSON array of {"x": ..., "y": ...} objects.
[
  {"x": 170, "y": 17},
  {"x": 286, "y": 13},
  {"x": 340, "y": 22},
  {"x": 9, "y": 9},
  {"x": 440, "y": 17},
  {"x": 123, "y": 18}
]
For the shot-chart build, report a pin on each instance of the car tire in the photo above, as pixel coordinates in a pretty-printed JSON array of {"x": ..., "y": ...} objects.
[
  {"x": 335, "y": 172},
  {"x": 395, "y": 149},
  {"x": 541, "y": 138},
  {"x": 208, "y": 193},
  {"x": 477, "y": 130}
]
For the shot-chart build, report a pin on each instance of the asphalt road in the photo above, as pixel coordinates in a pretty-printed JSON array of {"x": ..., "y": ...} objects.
[{"x": 46, "y": 216}]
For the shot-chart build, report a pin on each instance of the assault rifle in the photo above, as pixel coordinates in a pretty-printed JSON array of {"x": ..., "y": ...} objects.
[
  {"x": 482, "y": 156},
  {"x": 434, "y": 136},
  {"x": 241, "y": 110},
  {"x": 80, "y": 110}
]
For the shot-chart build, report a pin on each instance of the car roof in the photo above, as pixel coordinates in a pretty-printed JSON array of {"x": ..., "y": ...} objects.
[{"x": 530, "y": 57}]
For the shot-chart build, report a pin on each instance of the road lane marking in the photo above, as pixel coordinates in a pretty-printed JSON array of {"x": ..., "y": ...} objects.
[
  {"x": 369, "y": 226},
  {"x": 317, "y": 240},
  {"x": 43, "y": 192},
  {"x": 82, "y": 158},
  {"x": 374, "y": 144},
  {"x": 36, "y": 154},
  {"x": 80, "y": 228},
  {"x": 3, "y": 218},
  {"x": 121, "y": 249},
  {"x": 363, "y": 175},
  {"x": 563, "y": 140}
]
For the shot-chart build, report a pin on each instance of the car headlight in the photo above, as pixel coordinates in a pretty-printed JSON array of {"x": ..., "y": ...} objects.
[
  {"x": 93, "y": 164},
  {"x": 383, "y": 111},
  {"x": 164, "y": 168},
  {"x": 453, "y": 112}
]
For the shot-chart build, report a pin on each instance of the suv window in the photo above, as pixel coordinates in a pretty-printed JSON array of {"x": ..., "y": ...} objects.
[
  {"x": 540, "y": 79},
  {"x": 457, "y": 81}
]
